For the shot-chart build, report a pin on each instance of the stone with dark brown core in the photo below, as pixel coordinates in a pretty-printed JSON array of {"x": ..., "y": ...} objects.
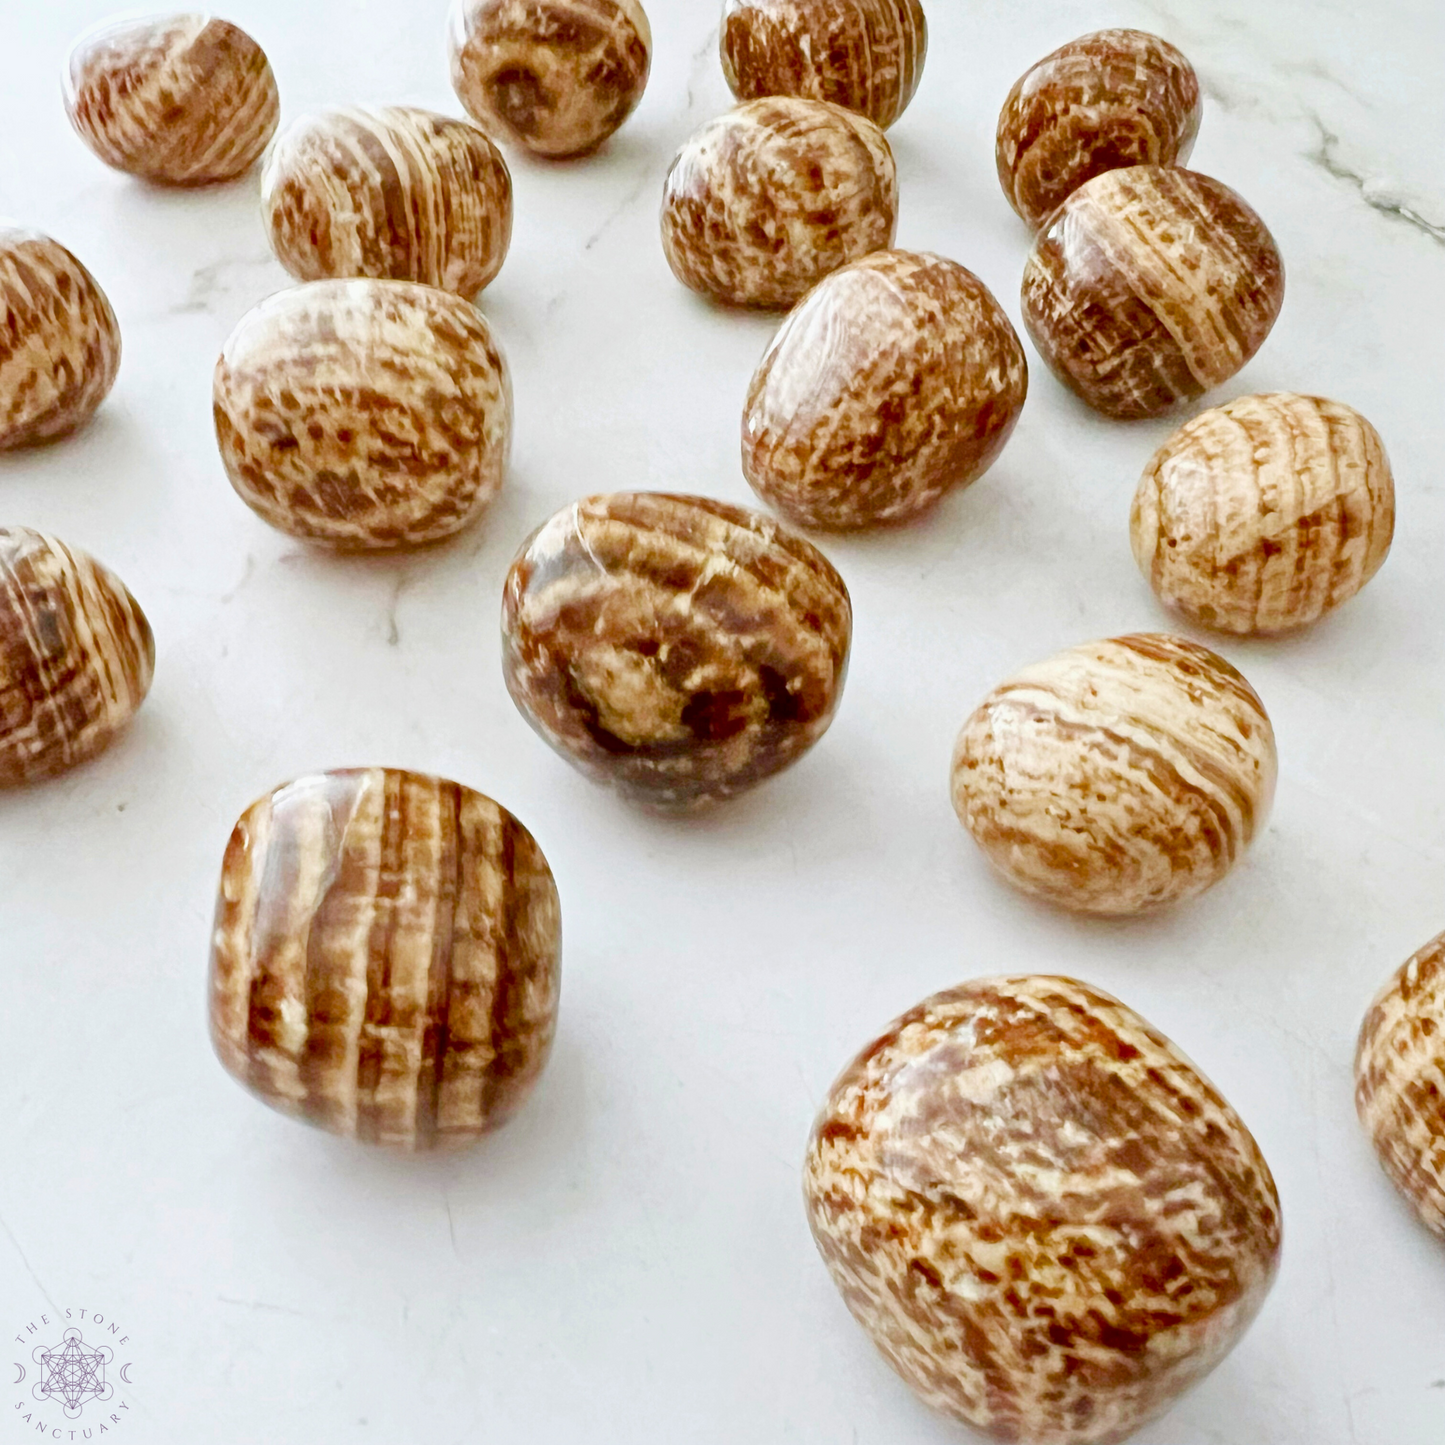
[
  {"x": 766, "y": 200},
  {"x": 1047, "y": 1219},
  {"x": 386, "y": 957},
  {"x": 677, "y": 648},
  {"x": 554, "y": 77},
  {"x": 364, "y": 413},
  {"x": 180, "y": 100},
  {"x": 1150, "y": 287},
  {"x": 60, "y": 348},
  {"x": 1265, "y": 513},
  {"x": 76, "y": 656},
  {"x": 865, "y": 55},
  {"x": 1400, "y": 1081},
  {"x": 895, "y": 380},
  {"x": 395, "y": 192},
  {"x": 1108, "y": 100},
  {"x": 1118, "y": 776}
]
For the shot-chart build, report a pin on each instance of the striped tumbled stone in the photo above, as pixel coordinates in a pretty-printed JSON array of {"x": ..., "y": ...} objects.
[
  {"x": 76, "y": 656},
  {"x": 1265, "y": 513},
  {"x": 1048, "y": 1220},
  {"x": 1149, "y": 287},
  {"x": 1400, "y": 1081},
  {"x": 393, "y": 192},
  {"x": 386, "y": 957},
  {"x": 1117, "y": 776},
  {"x": 675, "y": 647}
]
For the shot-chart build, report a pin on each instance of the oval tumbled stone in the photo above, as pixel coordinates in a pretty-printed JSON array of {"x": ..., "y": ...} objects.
[{"x": 678, "y": 648}]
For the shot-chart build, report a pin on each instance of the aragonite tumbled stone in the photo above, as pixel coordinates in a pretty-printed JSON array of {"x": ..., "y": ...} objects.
[
  {"x": 555, "y": 77},
  {"x": 1400, "y": 1081},
  {"x": 364, "y": 414},
  {"x": 676, "y": 648},
  {"x": 60, "y": 351},
  {"x": 1111, "y": 99},
  {"x": 1149, "y": 287},
  {"x": 393, "y": 192},
  {"x": 386, "y": 957},
  {"x": 76, "y": 656},
  {"x": 766, "y": 200},
  {"x": 1118, "y": 776},
  {"x": 179, "y": 100},
  {"x": 1047, "y": 1219},
  {"x": 865, "y": 55},
  {"x": 1265, "y": 513},
  {"x": 896, "y": 379}
]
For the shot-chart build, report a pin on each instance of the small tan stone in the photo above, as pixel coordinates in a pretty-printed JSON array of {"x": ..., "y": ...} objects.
[
  {"x": 895, "y": 380},
  {"x": 1265, "y": 513},
  {"x": 364, "y": 413},
  {"x": 1047, "y": 1219},
  {"x": 1400, "y": 1081},
  {"x": 766, "y": 200},
  {"x": 386, "y": 957},
  {"x": 396, "y": 193},
  {"x": 76, "y": 656},
  {"x": 555, "y": 77},
  {"x": 180, "y": 100},
  {"x": 1118, "y": 776}
]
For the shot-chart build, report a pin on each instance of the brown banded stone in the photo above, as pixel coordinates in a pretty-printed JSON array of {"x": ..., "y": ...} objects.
[
  {"x": 1118, "y": 776},
  {"x": 395, "y": 192},
  {"x": 1111, "y": 99},
  {"x": 60, "y": 345},
  {"x": 677, "y": 648},
  {"x": 1149, "y": 287},
  {"x": 364, "y": 413},
  {"x": 76, "y": 656},
  {"x": 898, "y": 378},
  {"x": 1265, "y": 513},
  {"x": 1400, "y": 1081},
  {"x": 766, "y": 200},
  {"x": 555, "y": 77},
  {"x": 865, "y": 55},
  {"x": 179, "y": 100},
  {"x": 1047, "y": 1219},
  {"x": 386, "y": 957}
]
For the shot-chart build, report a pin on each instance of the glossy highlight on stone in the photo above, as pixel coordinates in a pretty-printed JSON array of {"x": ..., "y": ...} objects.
[
  {"x": 1265, "y": 513},
  {"x": 1118, "y": 776},
  {"x": 766, "y": 200},
  {"x": 386, "y": 957},
  {"x": 897, "y": 379},
  {"x": 1150, "y": 287},
  {"x": 364, "y": 413},
  {"x": 61, "y": 341},
  {"x": 865, "y": 55},
  {"x": 1400, "y": 1081},
  {"x": 677, "y": 648},
  {"x": 179, "y": 100},
  {"x": 555, "y": 77},
  {"x": 396, "y": 192},
  {"x": 76, "y": 656},
  {"x": 1048, "y": 1220},
  {"x": 1108, "y": 100}
]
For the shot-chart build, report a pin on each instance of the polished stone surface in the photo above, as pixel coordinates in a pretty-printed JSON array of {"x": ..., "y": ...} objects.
[
  {"x": 545, "y": 1286},
  {"x": 386, "y": 958},
  {"x": 1049, "y": 1221},
  {"x": 898, "y": 379}
]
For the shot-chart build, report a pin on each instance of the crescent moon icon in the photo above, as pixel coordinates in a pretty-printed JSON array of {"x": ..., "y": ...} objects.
[
  {"x": 123, "y": 1374},
  {"x": 21, "y": 1376}
]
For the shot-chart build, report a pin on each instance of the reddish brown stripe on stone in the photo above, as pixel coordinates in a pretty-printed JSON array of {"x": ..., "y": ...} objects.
[
  {"x": 361, "y": 914},
  {"x": 1049, "y": 1222}
]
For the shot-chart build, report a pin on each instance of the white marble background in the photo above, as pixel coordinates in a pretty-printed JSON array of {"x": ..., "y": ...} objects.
[{"x": 627, "y": 1262}]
